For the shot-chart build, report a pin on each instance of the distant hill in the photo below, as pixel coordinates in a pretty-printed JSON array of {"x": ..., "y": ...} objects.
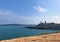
[{"x": 12, "y": 25}]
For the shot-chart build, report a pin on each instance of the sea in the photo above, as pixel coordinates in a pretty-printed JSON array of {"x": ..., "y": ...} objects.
[{"x": 13, "y": 31}]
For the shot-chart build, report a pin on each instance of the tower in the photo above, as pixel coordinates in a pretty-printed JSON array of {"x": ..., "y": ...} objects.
[{"x": 45, "y": 22}]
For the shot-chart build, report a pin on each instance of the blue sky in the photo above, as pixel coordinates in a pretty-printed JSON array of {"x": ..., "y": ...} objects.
[{"x": 29, "y": 11}]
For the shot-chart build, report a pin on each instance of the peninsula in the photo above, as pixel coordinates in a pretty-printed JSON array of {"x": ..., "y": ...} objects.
[{"x": 52, "y": 26}]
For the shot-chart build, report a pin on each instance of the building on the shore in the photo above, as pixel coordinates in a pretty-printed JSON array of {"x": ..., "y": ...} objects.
[{"x": 45, "y": 24}]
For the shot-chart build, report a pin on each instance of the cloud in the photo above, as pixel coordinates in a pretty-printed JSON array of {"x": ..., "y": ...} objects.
[
  {"x": 5, "y": 12},
  {"x": 40, "y": 9},
  {"x": 56, "y": 19},
  {"x": 8, "y": 17}
]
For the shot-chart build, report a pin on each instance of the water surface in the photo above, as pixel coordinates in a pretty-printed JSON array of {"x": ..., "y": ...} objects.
[{"x": 8, "y": 32}]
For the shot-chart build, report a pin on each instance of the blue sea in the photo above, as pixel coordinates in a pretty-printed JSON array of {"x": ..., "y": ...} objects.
[{"x": 9, "y": 32}]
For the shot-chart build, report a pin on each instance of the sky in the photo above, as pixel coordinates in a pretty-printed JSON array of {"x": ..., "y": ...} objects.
[{"x": 29, "y": 11}]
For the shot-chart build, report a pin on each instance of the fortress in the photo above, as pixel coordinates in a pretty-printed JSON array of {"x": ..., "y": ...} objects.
[{"x": 45, "y": 25}]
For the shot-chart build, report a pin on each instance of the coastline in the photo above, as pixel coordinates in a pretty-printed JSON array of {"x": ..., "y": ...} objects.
[{"x": 53, "y": 37}]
